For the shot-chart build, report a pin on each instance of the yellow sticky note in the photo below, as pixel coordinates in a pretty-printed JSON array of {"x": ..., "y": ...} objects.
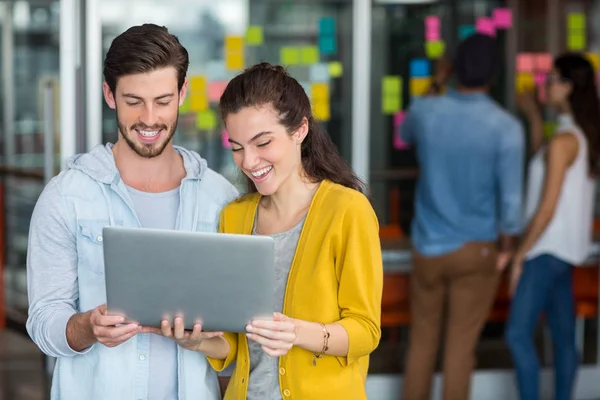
[
  {"x": 391, "y": 85},
  {"x": 234, "y": 61},
  {"x": 197, "y": 84},
  {"x": 254, "y": 35},
  {"x": 206, "y": 120},
  {"x": 234, "y": 44},
  {"x": 309, "y": 55},
  {"x": 418, "y": 86},
  {"x": 336, "y": 69},
  {"x": 549, "y": 128},
  {"x": 198, "y": 102},
  {"x": 524, "y": 82},
  {"x": 321, "y": 111},
  {"x": 185, "y": 107},
  {"x": 594, "y": 59},
  {"x": 576, "y": 41},
  {"x": 435, "y": 48},
  {"x": 576, "y": 22},
  {"x": 289, "y": 56},
  {"x": 320, "y": 92},
  {"x": 391, "y": 104}
]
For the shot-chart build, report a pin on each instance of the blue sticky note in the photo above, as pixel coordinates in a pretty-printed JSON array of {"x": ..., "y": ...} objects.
[
  {"x": 420, "y": 68},
  {"x": 327, "y": 45},
  {"x": 327, "y": 26},
  {"x": 319, "y": 73},
  {"x": 464, "y": 31}
]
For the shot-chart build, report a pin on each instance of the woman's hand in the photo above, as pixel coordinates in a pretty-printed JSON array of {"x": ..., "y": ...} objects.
[
  {"x": 189, "y": 340},
  {"x": 515, "y": 273},
  {"x": 276, "y": 336}
]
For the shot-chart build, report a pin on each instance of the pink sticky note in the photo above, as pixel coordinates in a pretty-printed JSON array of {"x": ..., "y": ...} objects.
[
  {"x": 502, "y": 18},
  {"x": 540, "y": 79},
  {"x": 525, "y": 62},
  {"x": 485, "y": 26},
  {"x": 398, "y": 143},
  {"x": 225, "y": 138},
  {"x": 432, "y": 22},
  {"x": 216, "y": 89},
  {"x": 543, "y": 62},
  {"x": 432, "y": 35}
]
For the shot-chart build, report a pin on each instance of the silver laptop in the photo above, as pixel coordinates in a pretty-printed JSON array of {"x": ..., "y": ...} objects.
[{"x": 222, "y": 280}]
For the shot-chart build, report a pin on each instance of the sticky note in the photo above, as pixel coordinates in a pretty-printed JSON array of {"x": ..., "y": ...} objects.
[
  {"x": 206, "y": 120},
  {"x": 432, "y": 35},
  {"x": 525, "y": 62},
  {"x": 435, "y": 49},
  {"x": 327, "y": 26},
  {"x": 185, "y": 107},
  {"x": 254, "y": 35},
  {"x": 319, "y": 72},
  {"x": 524, "y": 82},
  {"x": 391, "y": 104},
  {"x": 234, "y": 61},
  {"x": 198, "y": 102},
  {"x": 216, "y": 89},
  {"x": 398, "y": 143},
  {"x": 336, "y": 69},
  {"x": 289, "y": 56},
  {"x": 485, "y": 26},
  {"x": 309, "y": 55},
  {"x": 432, "y": 22},
  {"x": 420, "y": 67},
  {"x": 576, "y": 41},
  {"x": 418, "y": 86},
  {"x": 464, "y": 31},
  {"x": 320, "y": 92},
  {"x": 549, "y": 128},
  {"x": 197, "y": 84},
  {"x": 540, "y": 79},
  {"x": 576, "y": 22},
  {"x": 594, "y": 59},
  {"x": 225, "y": 140},
  {"x": 391, "y": 85},
  {"x": 327, "y": 45},
  {"x": 234, "y": 44},
  {"x": 321, "y": 111},
  {"x": 502, "y": 18},
  {"x": 543, "y": 62}
]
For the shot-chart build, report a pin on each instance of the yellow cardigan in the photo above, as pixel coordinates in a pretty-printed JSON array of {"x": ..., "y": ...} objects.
[{"x": 336, "y": 276}]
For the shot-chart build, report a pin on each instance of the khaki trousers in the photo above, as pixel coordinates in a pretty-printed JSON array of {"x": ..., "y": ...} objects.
[{"x": 457, "y": 289}]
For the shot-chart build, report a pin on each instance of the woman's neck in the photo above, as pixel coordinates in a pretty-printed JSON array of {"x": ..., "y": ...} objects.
[{"x": 293, "y": 197}]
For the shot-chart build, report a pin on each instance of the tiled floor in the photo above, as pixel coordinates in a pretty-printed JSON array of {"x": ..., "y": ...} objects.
[{"x": 21, "y": 368}]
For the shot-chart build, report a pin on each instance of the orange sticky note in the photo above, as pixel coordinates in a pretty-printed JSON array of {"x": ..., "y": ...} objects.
[
  {"x": 524, "y": 82},
  {"x": 198, "y": 102},
  {"x": 525, "y": 62},
  {"x": 234, "y": 44},
  {"x": 543, "y": 62},
  {"x": 197, "y": 84},
  {"x": 234, "y": 61},
  {"x": 321, "y": 111},
  {"x": 320, "y": 92}
]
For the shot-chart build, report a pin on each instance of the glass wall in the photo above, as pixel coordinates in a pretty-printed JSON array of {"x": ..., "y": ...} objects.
[{"x": 312, "y": 39}]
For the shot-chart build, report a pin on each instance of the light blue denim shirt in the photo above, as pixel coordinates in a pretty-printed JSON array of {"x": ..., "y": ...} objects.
[
  {"x": 65, "y": 273},
  {"x": 471, "y": 165}
]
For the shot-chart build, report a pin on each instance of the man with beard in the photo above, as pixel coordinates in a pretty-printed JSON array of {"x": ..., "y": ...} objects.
[{"x": 143, "y": 180}]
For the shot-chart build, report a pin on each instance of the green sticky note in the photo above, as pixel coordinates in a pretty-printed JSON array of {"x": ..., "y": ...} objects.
[
  {"x": 576, "y": 21},
  {"x": 391, "y": 104},
  {"x": 391, "y": 86},
  {"x": 289, "y": 56},
  {"x": 576, "y": 41},
  {"x": 549, "y": 128},
  {"x": 435, "y": 48},
  {"x": 336, "y": 69},
  {"x": 254, "y": 35},
  {"x": 185, "y": 107},
  {"x": 206, "y": 120},
  {"x": 309, "y": 55}
]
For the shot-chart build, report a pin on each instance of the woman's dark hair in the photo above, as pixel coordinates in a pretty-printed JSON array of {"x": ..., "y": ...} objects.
[
  {"x": 144, "y": 48},
  {"x": 266, "y": 84},
  {"x": 584, "y": 100}
]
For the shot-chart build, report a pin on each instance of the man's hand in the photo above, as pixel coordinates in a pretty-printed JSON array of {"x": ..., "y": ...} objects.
[
  {"x": 107, "y": 329},
  {"x": 503, "y": 259}
]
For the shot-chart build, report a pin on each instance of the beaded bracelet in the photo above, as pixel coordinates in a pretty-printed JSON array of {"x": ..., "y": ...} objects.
[{"x": 325, "y": 344}]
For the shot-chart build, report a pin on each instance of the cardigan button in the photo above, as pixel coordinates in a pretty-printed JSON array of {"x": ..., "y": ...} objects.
[
  {"x": 282, "y": 371},
  {"x": 286, "y": 393}
]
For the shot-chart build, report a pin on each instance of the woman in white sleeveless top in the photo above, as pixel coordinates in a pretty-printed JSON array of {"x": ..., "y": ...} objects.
[{"x": 559, "y": 212}]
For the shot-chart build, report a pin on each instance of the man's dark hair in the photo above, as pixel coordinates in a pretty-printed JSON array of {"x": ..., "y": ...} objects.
[
  {"x": 475, "y": 61},
  {"x": 144, "y": 48}
]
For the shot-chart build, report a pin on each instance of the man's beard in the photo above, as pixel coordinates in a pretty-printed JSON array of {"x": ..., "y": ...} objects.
[{"x": 149, "y": 150}]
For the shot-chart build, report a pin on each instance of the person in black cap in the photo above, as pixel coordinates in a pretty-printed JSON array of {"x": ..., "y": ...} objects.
[{"x": 467, "y": 215}]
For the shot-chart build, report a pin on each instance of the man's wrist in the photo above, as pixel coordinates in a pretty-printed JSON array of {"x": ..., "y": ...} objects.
[{"x": 80, "y": 334}]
